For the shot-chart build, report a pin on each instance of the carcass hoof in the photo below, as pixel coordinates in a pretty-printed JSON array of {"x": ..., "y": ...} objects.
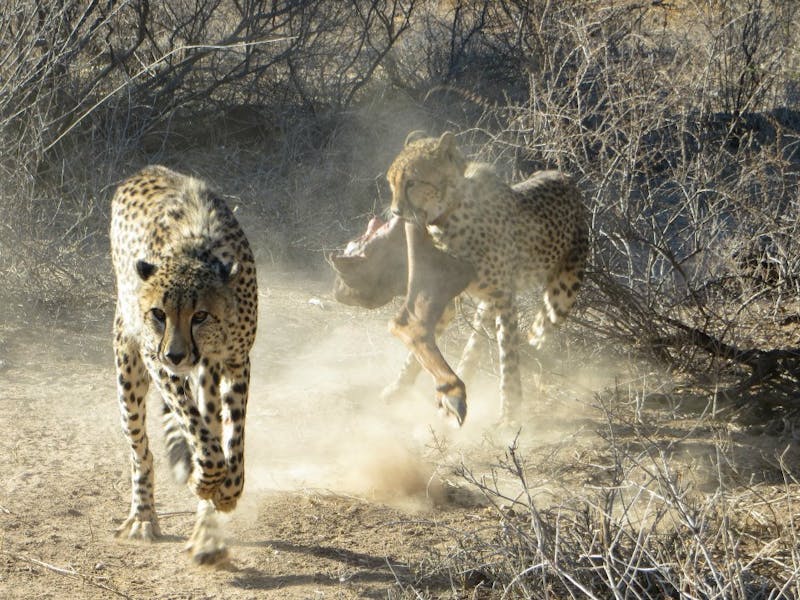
[{"x": 453, "y": 406}]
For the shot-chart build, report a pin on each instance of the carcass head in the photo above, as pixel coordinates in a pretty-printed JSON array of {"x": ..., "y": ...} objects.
[{"x": 373, "y": 268}]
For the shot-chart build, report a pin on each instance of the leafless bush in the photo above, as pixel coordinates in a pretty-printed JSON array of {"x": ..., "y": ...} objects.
[
  {"x": 66, "y": 59},
  {"x": 90, "y": 90},
  {"x": 690, "y": 168},
  {"x": 645, "y": 524},
  {"x": 678, "y": 118}
]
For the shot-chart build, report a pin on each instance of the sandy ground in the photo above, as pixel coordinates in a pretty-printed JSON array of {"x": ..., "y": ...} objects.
[
  {"x": 346, "y": 497},
  {"x": 342, "y": 498}
]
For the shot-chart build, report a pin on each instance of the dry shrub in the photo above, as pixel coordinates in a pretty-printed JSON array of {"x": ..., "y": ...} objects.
[
  {"x": 635, "y": 516},
  {"x": 91, "y": 91}
]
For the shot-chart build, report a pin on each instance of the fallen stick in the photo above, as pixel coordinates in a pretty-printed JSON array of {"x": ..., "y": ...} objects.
[{"x": 68, "y": 572}]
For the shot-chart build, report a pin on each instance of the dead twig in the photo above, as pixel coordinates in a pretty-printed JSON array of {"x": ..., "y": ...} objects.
[
  {"x": 764, "y": 364},
  {"x": 175, "y": 513},
  {"x": 69, "y": 572}
]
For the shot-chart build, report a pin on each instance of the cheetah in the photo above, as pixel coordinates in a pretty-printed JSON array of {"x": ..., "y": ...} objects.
[
  {"x": 186, "y": 316},
  {"x": 535, "y": 233}
]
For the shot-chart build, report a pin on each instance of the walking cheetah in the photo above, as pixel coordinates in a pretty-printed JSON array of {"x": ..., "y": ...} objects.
[
  {"x": 533, "y": 233},
  {"x": 185, "y": 320}
]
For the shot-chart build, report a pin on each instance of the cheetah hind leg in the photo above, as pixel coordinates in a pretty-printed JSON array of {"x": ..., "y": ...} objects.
[
  {"x": 559, "y": 298},
  {"x": 207, "y": 544}
]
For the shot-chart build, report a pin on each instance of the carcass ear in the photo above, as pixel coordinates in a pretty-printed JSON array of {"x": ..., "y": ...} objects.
[
  {"x": 346, "y": 264},
  {"x": 145, "y": 269},
  {"x": 417, "y": 134}
]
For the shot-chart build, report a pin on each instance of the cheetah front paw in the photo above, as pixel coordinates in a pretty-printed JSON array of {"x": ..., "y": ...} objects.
[
  {"x": 139, "y": 529},
  {"x": 207, "y": 545},
  {"x": 207, "y": 549}
]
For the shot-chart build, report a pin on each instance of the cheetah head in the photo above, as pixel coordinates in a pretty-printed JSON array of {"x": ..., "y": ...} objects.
[
  {"x": 423, "y": 176},
  {"x": 186, "y": 305}
]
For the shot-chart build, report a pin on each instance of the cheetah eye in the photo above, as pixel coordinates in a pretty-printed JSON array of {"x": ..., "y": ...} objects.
[
  {"x": 158, "y": 315},
  {"x": 199, "y": 317}
]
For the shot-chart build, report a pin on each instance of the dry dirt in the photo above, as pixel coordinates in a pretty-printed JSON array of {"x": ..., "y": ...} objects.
[{"x": 345, "y": 497}]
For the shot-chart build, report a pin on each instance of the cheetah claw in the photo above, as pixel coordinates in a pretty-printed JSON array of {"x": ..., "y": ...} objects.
[{"x": 135, "y": 528}]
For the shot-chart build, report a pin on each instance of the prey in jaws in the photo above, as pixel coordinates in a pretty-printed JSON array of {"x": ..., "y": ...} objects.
[
  {"x": 373, "y": 269},
  {"x": 468, "y": 231}
]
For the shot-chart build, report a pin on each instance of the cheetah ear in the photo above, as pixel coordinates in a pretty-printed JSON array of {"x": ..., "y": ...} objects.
[
  {"x": 228, "y": 272},
  {"x": 414, "y": 136},
  {"x": 447, "y": 147},
  {"x": 447, "y": 142},
  {"x": 145, "y": 269}
]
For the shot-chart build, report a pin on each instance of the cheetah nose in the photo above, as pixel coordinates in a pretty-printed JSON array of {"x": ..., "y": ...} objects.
[{"x": 175, "y": 357}]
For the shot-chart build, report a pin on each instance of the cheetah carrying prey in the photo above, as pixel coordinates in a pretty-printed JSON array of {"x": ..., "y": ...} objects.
[
  {"x": 185, "y": 320},
  {"x": 535, "y": 232}
]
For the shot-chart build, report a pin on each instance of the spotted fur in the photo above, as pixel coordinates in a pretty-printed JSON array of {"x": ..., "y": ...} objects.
[
  {"x": 535, "y": 233},
  {"x": 185, "y": 320}
]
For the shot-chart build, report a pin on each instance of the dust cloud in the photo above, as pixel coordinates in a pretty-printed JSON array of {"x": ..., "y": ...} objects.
[{"x": 315, "y": 419}]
